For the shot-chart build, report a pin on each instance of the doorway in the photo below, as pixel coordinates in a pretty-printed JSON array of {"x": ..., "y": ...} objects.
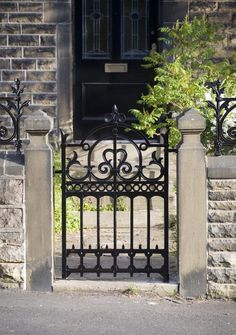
[{"x": 111, "y": 38}]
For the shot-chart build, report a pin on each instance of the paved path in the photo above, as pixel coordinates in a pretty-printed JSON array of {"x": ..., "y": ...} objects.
[{"x": 56, "y": 314}]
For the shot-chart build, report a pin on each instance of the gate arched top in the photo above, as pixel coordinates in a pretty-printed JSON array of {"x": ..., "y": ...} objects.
[{"x": 115, "y": 123}]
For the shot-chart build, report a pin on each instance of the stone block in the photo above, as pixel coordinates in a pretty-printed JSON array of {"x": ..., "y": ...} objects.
[
  {"x": 40, "y": 87},
  {"x": 203, "y": 6},
  {"x": 47, "y": 40},
  {"x": 42, "y": 52},
  {"x": 226, "y": 6},
  {"x": 222, "y": 275},
  {"x": 4, "y": 64},
  {"x": 3, "y": 40},
  {"x": 222, "y": 205},
  {"x": 23, "y": 40},
  {"x": 2, "y": 163},
  {"x": 46, "y": 64},
  {"x": 49, "y": 110},
  {"x": 218, "y": 18},
  {"x": 221, "y": 167},
  {"x": 38, "y": 29},
  {"x": 222, "y": 184},
  {"x": 31, "y": 7},
  {"x": 14, "y": 164},
  {"x": 12, "y": 75},
  {"x": 24, "y": 64},
  {"x": 41, "y": 76},
  {"x": 216, "y": 290},
  {"x": 221, "y": 195},
  {"x": 11, "y": 191},
  {"x": 3, "y": 18},
  {"x": 11, "y": 273},
  {"x": 6, "y": 52},
  {"x": 222, "y": 230},
  {"x": 222, "y": 244},
  {"x": 45, "y": 99},
  {"x": 11, "y": 218},
  {"x": 26, "y": 17},
  {"x": 221, "y": 216},
  {"x": 222, "y": 259},
  {"x": 12, "y": 238},
  {"x": 10, "y": 29},
  {"x": 57, "y": 12},
  {"x": 8, "y": 7},
  {"x": 11, "y": 253}
]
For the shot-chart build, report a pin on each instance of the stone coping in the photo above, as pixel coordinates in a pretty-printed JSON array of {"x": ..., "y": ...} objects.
[{"x": 221, "y": 167}]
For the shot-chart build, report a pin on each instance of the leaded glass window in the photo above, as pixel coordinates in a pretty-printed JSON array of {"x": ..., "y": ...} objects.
[
  {"x": 134, "y": 28},
  {"x": 96, "y": 29}
]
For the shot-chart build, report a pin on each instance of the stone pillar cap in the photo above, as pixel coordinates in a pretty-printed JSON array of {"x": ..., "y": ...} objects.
[
  {"x": 38, "y": 122},
  {"x": 192, "y": 121}
]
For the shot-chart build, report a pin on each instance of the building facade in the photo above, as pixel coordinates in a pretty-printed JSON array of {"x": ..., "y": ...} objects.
[{"x": 76, "y": 58}]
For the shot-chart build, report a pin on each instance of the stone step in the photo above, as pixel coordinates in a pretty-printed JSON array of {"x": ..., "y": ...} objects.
[
  {"x": 222, "y": 230},
  {"x": 219, "y": 184},
  {"x": 222, "y": 216},
  {"x": 222, "y": 195},
  {"x": 222, "y": 205}
]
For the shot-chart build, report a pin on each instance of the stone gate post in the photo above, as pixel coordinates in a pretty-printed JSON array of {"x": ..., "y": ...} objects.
[
  {"x": 38, "y": 205},
  {"x": 192, "y": 212}
]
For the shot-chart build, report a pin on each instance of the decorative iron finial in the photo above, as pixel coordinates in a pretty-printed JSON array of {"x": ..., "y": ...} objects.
[{"x": 115, "y": 116}]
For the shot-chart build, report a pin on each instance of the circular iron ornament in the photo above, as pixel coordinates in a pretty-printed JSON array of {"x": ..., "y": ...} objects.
[
  {"x": 97, "y": 15},
  {"x": 143, "y": 146},
  {"x": 3, "y": 132},
  {"x": 135, "y": 16},
  {"x": 232, "y": 132}
]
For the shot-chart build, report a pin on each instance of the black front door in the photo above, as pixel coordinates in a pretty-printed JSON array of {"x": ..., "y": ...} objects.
[{"x": 111, "y": 39}]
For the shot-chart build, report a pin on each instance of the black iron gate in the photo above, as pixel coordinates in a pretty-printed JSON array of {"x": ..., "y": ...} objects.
[{"x": 115, "y": 175}]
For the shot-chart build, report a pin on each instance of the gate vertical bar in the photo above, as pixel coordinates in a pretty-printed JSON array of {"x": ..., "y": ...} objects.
[
  {"x": 115, "y": 133},
  {"x": 166, "y": 207},
  {"x": 98, "y": 237},
  {"x": 63, "y": 218},
  {"x": 131, "y": 236},
  {"x": 148, "y": 236},
  {"x": 81, "y": 236}
]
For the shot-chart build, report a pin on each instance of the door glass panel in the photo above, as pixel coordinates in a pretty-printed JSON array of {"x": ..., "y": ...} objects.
[
  {"x": 134, "y": 28},
  {"x": 96, "y": 29}
]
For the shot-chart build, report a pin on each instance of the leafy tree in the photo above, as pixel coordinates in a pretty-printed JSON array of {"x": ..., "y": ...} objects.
[{"x": 188, "y": 60}]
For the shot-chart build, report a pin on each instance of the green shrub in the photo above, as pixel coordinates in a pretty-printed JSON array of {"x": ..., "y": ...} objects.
[{"x": 181, "y": 70}]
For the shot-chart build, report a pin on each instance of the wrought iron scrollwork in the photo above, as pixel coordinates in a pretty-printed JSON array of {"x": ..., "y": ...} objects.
[
  {"x": 225, "y": 125},
  {"x": 11, "y": 111}
]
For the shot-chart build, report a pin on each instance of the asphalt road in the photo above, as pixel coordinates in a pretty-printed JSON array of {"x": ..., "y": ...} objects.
[{"x": 25, "y": 313}]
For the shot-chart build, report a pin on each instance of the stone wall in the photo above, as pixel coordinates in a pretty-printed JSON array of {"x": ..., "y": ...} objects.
[
  {"x": 222, "y": 12},
  {"x": 36, "y": 46},
  {"x": 28, "y": 49},
  {"x": 222, "y": 237},
  {"x": 12, "y": 217}
]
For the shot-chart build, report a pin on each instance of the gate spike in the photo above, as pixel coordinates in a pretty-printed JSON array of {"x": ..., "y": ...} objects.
[
  {"x": 90, "y": 246},
  {"x": 157, "y": 246},
  {"x": 123, "y": 246},
  {"x": 73, "y": 246},
  {"x": 106, "y": 246},
  {"x": 140, "y": 246}
]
